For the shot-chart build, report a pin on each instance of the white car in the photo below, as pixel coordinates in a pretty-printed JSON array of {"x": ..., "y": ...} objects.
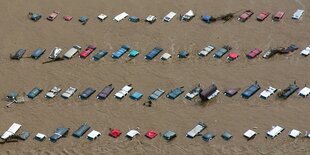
[
  {"x": 306, "y": 51},
  {"x": 188, "y": 16},
  {"x": 93, "y": 135},
  {"x": 123, "y": 92},
  {"x": 102, "y": 17},
  {"x": 297, "y": 14},
  {"x": 72, "y": 51},
  {"x": 69, "y": 92},
  {"x": 165, "y": 56},
  {"x": 268, "y": 92},
  {"x": 151, "y": 19},
  {"x": 55, "y": 53},
  {"x": 169, "y": 16},
  {"x": 53, "y": 92},
  {"x": 304, "y": 92},
  {"x": 205, "y": 51},
  {"x": 132, "y": 133}
]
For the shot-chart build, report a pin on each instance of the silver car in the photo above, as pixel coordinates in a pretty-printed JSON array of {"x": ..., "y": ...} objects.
[
  {"x": 55, "y": 53},
  {"x": 72, "y": 51},
  {"x": 69, "y": 92}
]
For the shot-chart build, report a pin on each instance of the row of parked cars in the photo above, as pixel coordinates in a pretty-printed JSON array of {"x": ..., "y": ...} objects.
[
  {"x": 55, "y": 54},
  {"x": 204, "y": 94},
  {"x": 169, "y": 135},
  {"x": 185, "y": 17}
]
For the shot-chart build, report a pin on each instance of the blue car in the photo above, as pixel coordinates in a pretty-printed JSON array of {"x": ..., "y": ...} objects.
[
  {"x": 153, "y": 53},
  {"x": 174, "y": 93},
  {"x": 38, "y": 53},
  {"x": 120, "y": 52},
  {"x": 34, "y": 92},
  {"x": 100, "y": 55},
  {"x": 83, "y": 20},
  {"x": 221, "y": 52},
  {"x": 59, "y": 133},
  {"x": 250, "y": 91},
  {"x": 81, "y": 131}
]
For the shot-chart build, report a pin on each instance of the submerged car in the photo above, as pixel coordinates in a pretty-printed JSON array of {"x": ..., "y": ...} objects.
[
  {"x": 83, "y": 20},
  {"x": 34, "y": 92},
  {"x": 87, "y": 93},
  {"x": 55, "y": 53},
  {"x": 100, "y": 55},
  {"x": 153, "y": 53},
  {"x": 174, "y": 93},
  {"x": 150, "y": 19},
  {"x": 105, "y": 92},
  {"x": 18, "y": 55},
  {"x": 72, "y": 51},
  {"x": 53, "y": 15},
  {"x": 87, "y": 51},
  {"x": 287, "y": 92},
  {"x": 252, "y": 54},
  {"x": 156, "y": 94},
  {"x": 81, "y": 130},
  {"x": 59, "y": 133},
  {"x": 222, "y": 51},
  {"x": 278, "y": 16},
  {"x": 34, "y": 16},
  {"x": 38, "y": 53},
  {"x": 245, "y": 15},
  {"x": 250, "y": 91},
  {"x": 69, "y": 92},
  {"x": 53, "y": 92},
  {"x": 262, "y": 16}
]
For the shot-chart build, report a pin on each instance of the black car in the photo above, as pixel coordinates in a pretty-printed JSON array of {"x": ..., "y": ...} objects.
[
  {"x": 59, "y": 133},
  {"x": 37, "y": 53},
  {"x": 87, "y": 93},
  {"x": 81, "y": 131},
  {"x": 18, "y": 55}
]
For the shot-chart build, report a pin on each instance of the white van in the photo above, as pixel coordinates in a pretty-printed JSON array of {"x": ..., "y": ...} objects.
[
  {"x": 120, "y": 16},
  {"x": 297, "y": 15},
  {"x": 72, "y": 51}
]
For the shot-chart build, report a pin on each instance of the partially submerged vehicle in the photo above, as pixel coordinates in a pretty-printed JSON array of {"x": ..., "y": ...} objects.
[
  {"x": 275, "y": 131},
  {"x": 250, "y": 91},
  {"x": 287, "y": 92},
  {"x": 40, "y": 137},
  {"x": 53, "y": 15},
  {"x": 121, "y": 51},
  {"x": 250, "y": 134},
  {"x": 87, "y": 93},
  {"x": 263, "y": 15},
  {"x": 68, "y": 18},
  {"x": 222, "y": 51},
  {"x": 133, "y": 53},
  {"x": 245, "y": 15},
  {"x": 93, "y": 135},
  {"x": 232, "y": 56},
  {"x": 99, "y": 55},
  {"x": 304, "y": 92},
  {"x": 298, "y": 14},
  {"x": 105, "y": 92},
  {"x": 115, "y": 133},
  {"x": 209, "y": 93},
  {"x": 153, "y": 53},
  {"x": 120, "y": 16},
  {"x": 81, "y": 130},
  {"x": 267, "y": 92},
  {"x": 87, "y": 51},
  {"x": 102, "y": 17},
  {"x": 72, "y": 51},
  {"x": 69, "y": 92},
  {"x": 34, "y": 92},
  {"x": 230, "y": 92},
  {"x": 278, "y": 16},
  {"x": 11, "y": 131},
  {"x": 36, "y": 54},
  {"x": 188, "y": 16},
  {"x": 196, "y": 130},
  {"x": 151, "y": 134},
  {"x": 273, "y": 51},
  {"x": 205, "y": 51},
  {"x": 252, "y": 54},
  {"x": 289, "y": 49},
  {"x": 306, "y": 51},
  {"x": 165, "y": 56},
  {"x": 136, "y": 95},
  {"x": 150, "y": 19},
  {"x": 18, "y": 54},
  {"x": 55, "y": 53},
  {"x": 169, "y": 16},
  {"x": 53, "y": 92},
  {"x": 132, "y": 133},
  {"x": 123, "y": 92},
  {"x": 227, "y": 136},
  {"x": 134, "y": 19},
  {"x": 193, "y": 93},
  {"x": 174, "y": 93},
  {"x": 183, "y": 54},
  {"x": 34, "y": 16},
  {"x": 59, "y": 133},
  {"x": 156, "y": 94},
  {"x": 83, "y": 20},
  {"x": 169, "y": 135},
  {"x": 208, "y": 136},
  {"x": 294, "y": 133}
]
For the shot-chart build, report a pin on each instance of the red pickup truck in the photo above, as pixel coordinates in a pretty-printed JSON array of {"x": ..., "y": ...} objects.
[
  {"x": 87, "y": 51},
  {"x": 252, "y": 54}
]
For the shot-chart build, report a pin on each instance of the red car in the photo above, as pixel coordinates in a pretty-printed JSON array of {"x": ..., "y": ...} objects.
[
  {"x": 53, "y": 15},
  {"x": 263, "y": 15},
  {"x": 245, "y": 15},
  {"x": 115, "y": 133},
  {"x": 252, "y": 54},
  {"x": 68, "y": 18},
  {"x": 232, "y": 56},
  {"x": 87, "y": 51},
  {"x": 278, "y": 16},
  {"x": 151, "y": 134}
]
